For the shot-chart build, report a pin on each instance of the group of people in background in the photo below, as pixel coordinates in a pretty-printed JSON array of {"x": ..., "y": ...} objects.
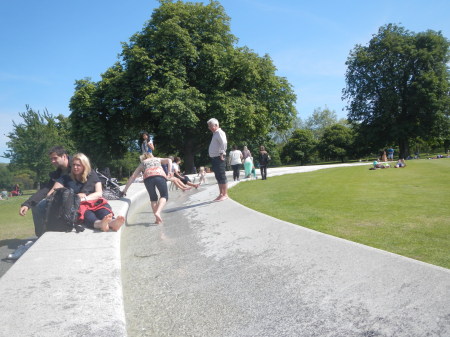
[
  {"x": 244, "y": 157},
  {"x": 384, "y": 158},
  {"x": 76, "y": 173}
]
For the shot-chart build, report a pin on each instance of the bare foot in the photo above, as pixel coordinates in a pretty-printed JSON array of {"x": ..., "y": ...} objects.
[
  {"x": 158, "y": 219},
  {"x": 116, "y": 223},
  {"x": 222, "y": 198},
  {"x": 104, "y": 222},
  {"x": 217, "y": 199}
]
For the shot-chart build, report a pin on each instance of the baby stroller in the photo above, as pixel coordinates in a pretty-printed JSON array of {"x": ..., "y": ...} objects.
[{"x": 111, "y": 188}]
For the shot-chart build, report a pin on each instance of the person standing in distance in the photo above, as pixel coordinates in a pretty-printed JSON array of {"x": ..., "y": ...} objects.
[
  {"x": 147, "y": 145},
  {"x": 217, "y": 151},
  {"x": 37, "y": 202}
]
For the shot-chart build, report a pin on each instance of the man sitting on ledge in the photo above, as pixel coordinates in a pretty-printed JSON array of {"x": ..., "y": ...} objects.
[{"x": 37, "y": 202}]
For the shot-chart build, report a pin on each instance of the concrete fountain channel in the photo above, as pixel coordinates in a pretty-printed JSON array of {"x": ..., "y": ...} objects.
[{"x": 221, "y": 269}]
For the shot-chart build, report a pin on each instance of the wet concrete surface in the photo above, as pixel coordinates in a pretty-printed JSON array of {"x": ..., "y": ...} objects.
[{"x": 220, "y": 269}]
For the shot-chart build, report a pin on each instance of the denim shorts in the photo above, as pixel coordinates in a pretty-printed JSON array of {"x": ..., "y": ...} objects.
[{"x": 218, "y": 167}]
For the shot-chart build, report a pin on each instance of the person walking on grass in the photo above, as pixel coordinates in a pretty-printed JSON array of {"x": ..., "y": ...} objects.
[{"x": 217, "y": 151}]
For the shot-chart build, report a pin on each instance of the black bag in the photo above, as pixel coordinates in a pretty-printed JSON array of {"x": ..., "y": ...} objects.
[{"x": 62, "y": 211}]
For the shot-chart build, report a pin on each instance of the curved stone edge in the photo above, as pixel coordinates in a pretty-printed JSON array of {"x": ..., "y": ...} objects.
[{"x": 69, "y": 284}]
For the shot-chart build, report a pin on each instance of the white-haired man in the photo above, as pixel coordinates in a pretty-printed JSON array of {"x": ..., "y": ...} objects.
[{"x": 217, "y": 151}]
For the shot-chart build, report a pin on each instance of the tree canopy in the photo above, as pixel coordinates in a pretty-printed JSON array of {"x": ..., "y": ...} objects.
[
  {"x": 182, "y": 69},
  {"x": 336, "y": 142},
  {"x": 30, "y": 141},
  {"x": 299, "y": 148},
  {"x": 398, "y": 86},
  {"x": 319, "y": 120}
]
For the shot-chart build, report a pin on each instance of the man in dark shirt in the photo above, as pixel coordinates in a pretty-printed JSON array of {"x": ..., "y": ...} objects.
[{"x": 37, "y": 202}]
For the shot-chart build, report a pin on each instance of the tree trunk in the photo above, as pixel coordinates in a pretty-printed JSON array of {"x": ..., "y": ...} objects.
[
  {"x": 404, "y": 148},
  {"x": 38, "y": 178},
  {"x": 189, "y": 164},
  {"x": 446, "y": 146}
]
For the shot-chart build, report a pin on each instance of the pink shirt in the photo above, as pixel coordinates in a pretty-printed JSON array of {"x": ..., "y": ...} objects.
[{"x": 152, "y": 167}]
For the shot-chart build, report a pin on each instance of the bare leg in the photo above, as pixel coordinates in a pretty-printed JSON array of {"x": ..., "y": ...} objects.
[
  {"x": 116, "y": 223},
  {"x": 161, "y": 204},
  {"x": 154, "y": 206},
  {"x": 180, "y": 185},
  {"x": 103, "y": 224},
  {"x": 191, "y": 184},
  {"x": 223, "y": 188}
]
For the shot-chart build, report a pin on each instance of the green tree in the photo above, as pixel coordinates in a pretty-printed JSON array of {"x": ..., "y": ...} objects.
[
  {"x": 299, "y": 148},
  {"x": 6, "y": 177},
  {"x": 336, "y": 142},
  {"x": 282, "y": 137},
  {"x": 25, "y": 179},
  {"x": 320, "y": 120},
  {"x": 30, "y": 141},
  {"x": 126, "y": 166},
  {"x": 398, "y": 86},
  {"x": 182, "y": 69}
]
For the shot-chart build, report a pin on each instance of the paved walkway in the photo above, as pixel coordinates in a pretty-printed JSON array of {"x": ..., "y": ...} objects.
[
  {"x": 68, "y": 284},
  {"x": 221, "y": 269}
]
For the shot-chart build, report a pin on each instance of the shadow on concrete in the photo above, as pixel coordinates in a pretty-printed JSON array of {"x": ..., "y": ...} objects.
[
  {"x": 7, "y": 247},
  {"x": 144, "y": 224},
  {"x": 12, "y": 243},
  {"x": 177, "y": 209}
]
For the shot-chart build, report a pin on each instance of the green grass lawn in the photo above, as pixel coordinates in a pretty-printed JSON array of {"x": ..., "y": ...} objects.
[
  {"x": 12, "y": 225},
  {"x": 403, "y": 211}
]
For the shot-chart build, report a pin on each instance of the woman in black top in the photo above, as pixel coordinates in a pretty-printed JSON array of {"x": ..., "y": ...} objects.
[
  {"x": 94, "y": 210},
  {"x": 263, "y": 161}
]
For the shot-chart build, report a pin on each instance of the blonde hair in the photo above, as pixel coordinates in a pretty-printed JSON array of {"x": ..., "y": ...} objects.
[
  {"x": 86, "y": 164},
  {"x": 144, "y": 156}
]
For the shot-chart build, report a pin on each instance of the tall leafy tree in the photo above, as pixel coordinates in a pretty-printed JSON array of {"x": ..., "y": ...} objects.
[
  {"x": 180, "y": 70},
  {"x": 336, "y": 142},
  {"x": 398, "y": 86},
  {"x": 6, "y": 177},
  {"x": 320, "y": 120},
  {"x": 31, "y": 139},
  {"x": 282, "y": 137},
  {"x": 299, "y": 148}
]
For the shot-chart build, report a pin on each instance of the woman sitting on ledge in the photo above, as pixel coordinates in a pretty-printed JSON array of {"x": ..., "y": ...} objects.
[{"x": 95, "y": 212}]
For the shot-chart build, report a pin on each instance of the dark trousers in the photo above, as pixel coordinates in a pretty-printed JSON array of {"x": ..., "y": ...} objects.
[
  {"x": 263, "y": 169},
  {"x": 236, "y": 171},
  {"x": 156, "y": 182}
]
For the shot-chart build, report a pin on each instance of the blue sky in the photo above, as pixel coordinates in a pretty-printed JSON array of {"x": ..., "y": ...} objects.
[{"x": 46, "y": 45}]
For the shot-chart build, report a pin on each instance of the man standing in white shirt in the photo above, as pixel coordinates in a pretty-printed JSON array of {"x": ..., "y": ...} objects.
[{"x": 217, "y": 152}]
